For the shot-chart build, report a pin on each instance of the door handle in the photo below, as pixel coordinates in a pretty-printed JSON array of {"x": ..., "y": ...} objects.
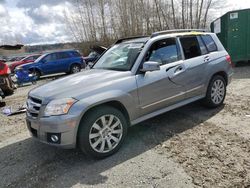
[
  {"x": 206, "y": 59},
  {"x": 175, "y": 70},
  {"x": 178, "y": 69},
  {"x": 170, "y": 68}
]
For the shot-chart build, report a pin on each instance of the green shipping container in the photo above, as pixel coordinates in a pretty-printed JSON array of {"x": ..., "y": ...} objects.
[{"x": 233, "y": 30}]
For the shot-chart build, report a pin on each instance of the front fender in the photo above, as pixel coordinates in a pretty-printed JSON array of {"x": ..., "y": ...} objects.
[
  {"x": 34, "y": 67},
  {"x": 126, "y": 99}
]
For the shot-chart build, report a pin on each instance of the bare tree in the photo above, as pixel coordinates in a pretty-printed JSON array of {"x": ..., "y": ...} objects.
[{"x": 107, "y": 20}]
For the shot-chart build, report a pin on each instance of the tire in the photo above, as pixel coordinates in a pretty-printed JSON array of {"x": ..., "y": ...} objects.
[
  {"x": 99, "y": 141},
  {"x": 36, "y": 73},
  {"x": 75, "y": 68},
  {"x": 216, "y": 92}
]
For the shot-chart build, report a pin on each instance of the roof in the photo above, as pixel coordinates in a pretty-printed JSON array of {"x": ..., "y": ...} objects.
[{"x": 172, "y": 33}]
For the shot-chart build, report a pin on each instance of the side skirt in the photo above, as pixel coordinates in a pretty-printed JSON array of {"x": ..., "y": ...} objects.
[{"x": 161, "y": 111}]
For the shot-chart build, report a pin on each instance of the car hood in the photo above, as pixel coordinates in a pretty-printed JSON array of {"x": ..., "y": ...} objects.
[
  {"x": 13, "y": 63},
  {"x": 26, "y": 65},
  {"x": 79, "y": 85}
]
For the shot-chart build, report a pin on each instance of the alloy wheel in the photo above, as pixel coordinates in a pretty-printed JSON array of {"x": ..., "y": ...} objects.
[
  {"x": 106, "y": 133},
  {"x": 75, "y": 69},
  {"x": 218, "y": 91}
]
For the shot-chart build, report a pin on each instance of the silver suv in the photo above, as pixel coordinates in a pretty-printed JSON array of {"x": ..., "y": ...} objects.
[{"x": 134, "y": 80}]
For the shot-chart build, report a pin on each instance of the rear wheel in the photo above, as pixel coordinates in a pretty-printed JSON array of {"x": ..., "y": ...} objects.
[
  {"x": 75, "y": 68},
  {"x": 102, "y": 132},
  {"x": 216, "y": 92}
]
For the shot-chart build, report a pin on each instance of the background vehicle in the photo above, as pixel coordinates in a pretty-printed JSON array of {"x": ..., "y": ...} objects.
[
  {"x": 27, "y": 59},
  {"x": 136, "y": 79},
  {"x": 6, "y": 83},
  {"x": 24, "y": 76},
  {"x": 69, "y": 61},
  {"x": 95, "y": 53},
  {"x": 2, "y": 96}
]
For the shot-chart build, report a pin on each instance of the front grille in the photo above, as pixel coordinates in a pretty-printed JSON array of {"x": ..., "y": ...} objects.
[{"x": 33, "y": 106}]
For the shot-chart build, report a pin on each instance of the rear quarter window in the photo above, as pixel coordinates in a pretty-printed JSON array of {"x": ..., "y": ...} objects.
[
  {"x": 209, "y": 42},
  {"x": 74, "y": 54}
]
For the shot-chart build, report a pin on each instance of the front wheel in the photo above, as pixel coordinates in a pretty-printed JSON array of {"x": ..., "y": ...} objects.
[
  {"x": 102, "y": 132},
  {"x": 216, "y": 92},
  {"x": 75, "y": 69},
  {"x": 36, "y": 73}
]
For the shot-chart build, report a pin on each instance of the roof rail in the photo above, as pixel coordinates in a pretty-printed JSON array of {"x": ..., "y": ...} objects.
[
  {"x": 129, "y": 38},
  {"x": 176, "y": 31}
]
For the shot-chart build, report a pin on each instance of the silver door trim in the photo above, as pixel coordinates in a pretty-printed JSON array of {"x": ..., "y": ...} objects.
[
  {"x": 166, "y": 109},
  {"x": 169, "y": 98}
]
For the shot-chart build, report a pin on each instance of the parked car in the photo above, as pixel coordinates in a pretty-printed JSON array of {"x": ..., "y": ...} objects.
[
  {"x": 95, "y": 53},
  {"x": 6, "y": 83},
  {"x": 17, "y": 58},
  {"x": 69, "y": 61},
  {"x": 27, "y": 59},
  {"x": 2, "y": 96},
  {"x": 136, "y": 79}
]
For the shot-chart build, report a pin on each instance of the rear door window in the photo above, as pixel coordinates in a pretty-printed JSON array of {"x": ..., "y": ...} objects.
[
  {"x": 209, "y": 42},
  {"x": 190, "y": 46},
  {"x": 63, "y": 55},
  {"x": 164, "y": 51}
]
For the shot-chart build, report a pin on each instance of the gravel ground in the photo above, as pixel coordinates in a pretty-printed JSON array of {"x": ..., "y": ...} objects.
[{"x": 188, "y": 147}]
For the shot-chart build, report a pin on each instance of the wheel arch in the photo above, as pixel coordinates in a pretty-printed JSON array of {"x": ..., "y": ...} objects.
[
  {"x": 74, "y": 63},
  {"x": 36, "y": 69},
  {"x": 113, "y": 103},
  {"x": 221, "y": 73}
]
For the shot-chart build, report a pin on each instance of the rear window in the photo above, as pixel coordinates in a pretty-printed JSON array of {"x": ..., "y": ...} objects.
[
  {"x": 74, "y": 54},
  {"x": 190, "y": 46},
  {"x": 209, "y": 42}
]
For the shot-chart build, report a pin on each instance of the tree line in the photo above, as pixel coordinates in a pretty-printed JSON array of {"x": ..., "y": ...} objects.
[{"x": 108, "y": 20}]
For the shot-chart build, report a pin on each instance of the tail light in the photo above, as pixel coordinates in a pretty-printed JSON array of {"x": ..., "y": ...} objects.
[
  {"x": 229, "y": 60},
  {"x": 8, "y": 71}
]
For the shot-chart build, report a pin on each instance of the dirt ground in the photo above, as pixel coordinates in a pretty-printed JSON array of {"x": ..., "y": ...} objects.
[{"x": 188, "y": 147}]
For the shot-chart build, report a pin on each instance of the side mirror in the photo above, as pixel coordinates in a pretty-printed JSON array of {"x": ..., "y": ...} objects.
[{"x": 150, "y": 66}]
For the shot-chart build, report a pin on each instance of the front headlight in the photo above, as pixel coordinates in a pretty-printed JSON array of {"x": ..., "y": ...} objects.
[
  {"x": 59, "y": 107},
  {"x": 19, "y": 68}
]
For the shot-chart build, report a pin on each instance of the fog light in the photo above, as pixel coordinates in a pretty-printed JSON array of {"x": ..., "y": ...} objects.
[{"x": 54, "y": 138}]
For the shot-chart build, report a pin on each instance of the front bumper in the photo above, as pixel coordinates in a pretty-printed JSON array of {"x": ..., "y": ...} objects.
[
  {"x": 65, "y": 127},
  {"x": 6, "y": 84}
]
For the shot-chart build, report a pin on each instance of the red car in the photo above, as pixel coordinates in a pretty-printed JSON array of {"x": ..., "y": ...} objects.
[
  {"x": 28, "y": 59},
  {"x": 6, "y": 84}
]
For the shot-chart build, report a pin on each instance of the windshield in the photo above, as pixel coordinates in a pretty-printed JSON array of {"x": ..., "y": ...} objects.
[
  {"x": 41, "y": 57},
  {"x": 92, "y": 54},
  {"x": 120, "y": 57}
]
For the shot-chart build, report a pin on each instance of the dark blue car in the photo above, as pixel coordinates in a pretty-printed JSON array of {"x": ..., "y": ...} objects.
[{"x": 69, "y": 61}]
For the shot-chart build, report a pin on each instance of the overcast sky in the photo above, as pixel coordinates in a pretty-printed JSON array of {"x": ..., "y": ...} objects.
[{"x": 42, "y": 21}]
